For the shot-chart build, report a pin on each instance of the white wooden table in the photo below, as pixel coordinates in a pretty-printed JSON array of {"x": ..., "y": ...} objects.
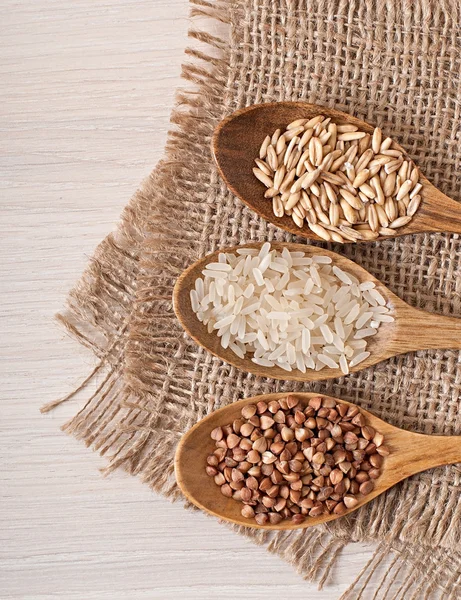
[{"x": 86, "y": 87}]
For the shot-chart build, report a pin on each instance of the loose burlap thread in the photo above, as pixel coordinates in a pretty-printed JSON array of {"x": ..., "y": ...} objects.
[{"x": 393, "y": 63}]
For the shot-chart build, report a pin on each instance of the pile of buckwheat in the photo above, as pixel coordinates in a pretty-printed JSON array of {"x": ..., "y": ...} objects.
[{"x": 285, "y": 461}]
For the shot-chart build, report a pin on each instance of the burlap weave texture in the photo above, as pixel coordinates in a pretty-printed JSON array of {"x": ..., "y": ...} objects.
[{"x": 395, "y": 64}]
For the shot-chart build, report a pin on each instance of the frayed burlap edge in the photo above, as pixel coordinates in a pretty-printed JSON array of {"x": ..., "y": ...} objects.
[{"x": 98, "y": 316}]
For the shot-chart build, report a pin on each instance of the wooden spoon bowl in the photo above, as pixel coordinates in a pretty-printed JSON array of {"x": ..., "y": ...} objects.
[
  {"x": 236, "y": 142},
  {"x": 412, "y": 329},
  {"x": 410, "y": 453}
]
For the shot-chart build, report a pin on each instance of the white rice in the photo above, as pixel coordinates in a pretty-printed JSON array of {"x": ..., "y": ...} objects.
[
  {"x": 344, "y": 365},
  {"x": 288, "y": 309},
  {"x": 358, "y": 359},
  {"x": 219, "y": 266}
]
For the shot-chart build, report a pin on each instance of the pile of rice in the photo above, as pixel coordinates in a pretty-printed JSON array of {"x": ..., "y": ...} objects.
[{"x": 288, "y": 309}]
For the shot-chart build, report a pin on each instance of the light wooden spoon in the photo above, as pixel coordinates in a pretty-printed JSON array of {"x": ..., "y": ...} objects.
[
  {"x": 412, "y": 329},
  {"x": 236, "y": 142},
  {"x": 410, "y": 453}
]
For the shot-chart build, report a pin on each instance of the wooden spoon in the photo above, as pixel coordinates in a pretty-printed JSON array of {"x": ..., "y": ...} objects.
[
  {"x": 410, "y": 453},
  {"x": 412, "y": 329},
  {"x": 236, "y": 142}
]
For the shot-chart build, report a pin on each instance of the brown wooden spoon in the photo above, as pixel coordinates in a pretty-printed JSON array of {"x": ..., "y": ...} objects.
[
  {"x": 412, "y": 329},
  {"x": 410, "y": 453},
  {"x": 236, "y": 142}
]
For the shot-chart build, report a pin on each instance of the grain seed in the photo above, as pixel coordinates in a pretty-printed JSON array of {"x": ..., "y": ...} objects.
[
  {"x": 351, "y": 135},
  {"x": 277, "y": 206},
  {"x": 275, "y": 137},
  {"x": 264, "y": 167},
  {"x": 314, "y": 121},
  {"x": 281, "y": 144},
  {"x": 382, "y": 217},
  {"x": 354, "y": 201},
  {"x": 288, "y": 180},
  {"x": 402, "y": 208},
  {"x": 334, "y": 214},
  {"x": 292, "y": 200},
  {"x": 389, "y": 184},
  {"x": 376, "y": 140},
  {"x": 375, "y": 183},
  {"x": 297, "y": 123},
  {"x": 386, "y": 231},
  {"x": 364, "y": 143},
  {"x": 320, "y": 231},
  {"x": 289, "y": 150},
  {"x": 346, "y": 128},
  {"x": 403, "y": 171},
  {"x": 333, "y": 130},
  {"x": 315, "y": 151},
  {"x": 367, "y": 234},
  {"x": 361, "y": 177},
  {"x": 311, "y": 217},
  {"x": 390, "y": 152},
  {"x": 404, "y": 189},
  {"x": 349, "y": 213},
  {"x": 392, "y": 166},
  {"x": 271, "y": 192},
  {"x": 350, "y": 232},
  {"x": 264, "y": 146},
  {"x": 272, "y": 158},
  {"x": 400, "y": 222},
  {"x": 364, "y": 159},
  {"x": 386, "y": 144},
  {"x": 331, "y": 177},
  {"x": 279, "y": 176},
  {"x": 305, "y": 200},
  {"x": 379, "y": 161},
  {"x": 263, "y": 178},
  {"x": 414, "y": 205},
  {"x": 372, "y": 217},
  {"x": 367, "y": 191},
  {"x": 415, "y": 191},
  {"x": 305, "y": 138},
  {"x": 413, "y": 174}
]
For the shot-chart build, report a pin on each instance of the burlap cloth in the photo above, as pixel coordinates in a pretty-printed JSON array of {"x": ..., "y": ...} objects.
[{"x": 393, "y": 63}]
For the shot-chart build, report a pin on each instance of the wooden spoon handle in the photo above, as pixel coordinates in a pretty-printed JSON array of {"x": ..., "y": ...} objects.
[
  {"x": 440, "y": 214},
  {"x": 447, "y": 450},
  {"x": 415, "y": 452},
  {"x": 421, "y": 330}
]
